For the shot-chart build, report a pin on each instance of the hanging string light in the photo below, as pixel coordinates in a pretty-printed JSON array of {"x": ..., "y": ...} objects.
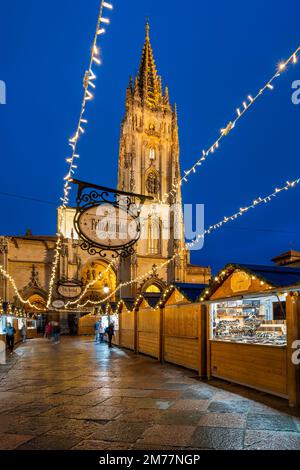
[
  {"x": 231, "y": 125},
  {"x": 88, "y": 86},
  {"x": 205, "y": 153},
  {"x": 89, "y": 285},
  {"x": 239, "y": 213},
  {"x": 12, "y": 282}
]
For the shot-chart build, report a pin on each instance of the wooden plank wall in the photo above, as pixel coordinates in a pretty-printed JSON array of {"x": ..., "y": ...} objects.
[
  {"x": 86, "y": 325},
  {"x": 181, "y": 335},
  {"x": 126, "y": 325},
  {"x": 260, "y": 367},
  {"x": 148, "y": 337}
]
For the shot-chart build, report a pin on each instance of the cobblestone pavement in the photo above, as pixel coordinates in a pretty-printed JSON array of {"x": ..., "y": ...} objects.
[{"x": 79, "y": 395}]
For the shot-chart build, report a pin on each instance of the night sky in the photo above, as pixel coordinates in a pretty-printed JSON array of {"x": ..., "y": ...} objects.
[{"x": 211, "y": 54}]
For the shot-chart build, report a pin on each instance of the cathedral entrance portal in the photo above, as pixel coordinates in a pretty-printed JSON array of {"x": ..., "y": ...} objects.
[{"x": 101, "y": 279}]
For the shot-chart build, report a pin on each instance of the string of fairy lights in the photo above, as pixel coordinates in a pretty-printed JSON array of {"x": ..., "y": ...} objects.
[
  {"x": 205, "y": 153},
  {"x": 72, "y": 161},
  {"x": 14, "y": 286},
  {"x": 90, "y": 284},
  {"x": 88, "y": 87},
  {"x": 243, "y": 210},
  {"x": 240, "y": 112}
]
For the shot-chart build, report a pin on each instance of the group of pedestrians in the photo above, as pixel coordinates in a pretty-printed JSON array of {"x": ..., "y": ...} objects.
[
  {"x": 100, "y": 331},
  {"x": 52, "y": 331}
]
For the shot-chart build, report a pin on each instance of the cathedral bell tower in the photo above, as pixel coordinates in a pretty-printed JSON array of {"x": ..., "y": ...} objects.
[{"x": 149, "y": 164}]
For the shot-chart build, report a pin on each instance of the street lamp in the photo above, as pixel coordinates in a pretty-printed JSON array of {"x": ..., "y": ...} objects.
[{"x": 106, "y": 288}]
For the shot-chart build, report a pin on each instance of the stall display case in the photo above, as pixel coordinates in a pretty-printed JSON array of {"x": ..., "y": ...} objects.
[
  {"x": 31, "y": 329},
  {"x": 2, "y": 325},
  {"x": 260, "y": 321}
]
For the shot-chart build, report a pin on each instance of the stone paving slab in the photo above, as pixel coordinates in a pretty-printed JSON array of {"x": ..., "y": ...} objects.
[
  {"x": 81, "y": 395},
  {"x": 12, "y": 441},
  {"x": 169, "y": 435}
]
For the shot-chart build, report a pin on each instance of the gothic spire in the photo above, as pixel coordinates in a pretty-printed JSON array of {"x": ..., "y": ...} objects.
[{"x": 148, "y": 81}]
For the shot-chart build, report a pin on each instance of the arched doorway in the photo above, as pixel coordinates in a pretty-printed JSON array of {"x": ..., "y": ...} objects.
[
  {"x": 37, "y": 299},
  {"x": 101, "y": 279}
]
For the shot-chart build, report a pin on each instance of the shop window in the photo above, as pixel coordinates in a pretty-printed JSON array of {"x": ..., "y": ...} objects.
[{"x": 250, "y": 321}]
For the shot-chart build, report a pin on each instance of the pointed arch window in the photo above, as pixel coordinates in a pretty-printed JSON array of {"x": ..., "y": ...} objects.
[
  {"x": 152, "y": 154},
  {"x": 154, "y": 236}
]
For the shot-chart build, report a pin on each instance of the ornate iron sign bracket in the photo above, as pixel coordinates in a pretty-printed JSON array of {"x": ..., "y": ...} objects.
[{"x": 107, "y": 220}]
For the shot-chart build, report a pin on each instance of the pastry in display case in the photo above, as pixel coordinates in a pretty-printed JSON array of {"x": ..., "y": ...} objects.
[{"x": 250, "y": 321}]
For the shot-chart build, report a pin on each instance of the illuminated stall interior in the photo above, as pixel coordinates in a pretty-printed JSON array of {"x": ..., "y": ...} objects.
[{"x": 253, "y": 322}]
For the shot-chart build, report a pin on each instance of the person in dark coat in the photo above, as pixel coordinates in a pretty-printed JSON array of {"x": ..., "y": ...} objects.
[
  {"x": 110, "y": 331},
  {"x": 10, "y": 337},
  {"x": 56, "y": 332}
]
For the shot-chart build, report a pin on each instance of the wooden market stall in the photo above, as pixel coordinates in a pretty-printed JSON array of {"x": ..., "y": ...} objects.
[
  {"x": 86, "y": 325},
  {"x": 149, "y": 325},
  {"x": 127, "y": 324},
  {"x": 184, "y": 327},
  {"x": 253, "y": 323}
]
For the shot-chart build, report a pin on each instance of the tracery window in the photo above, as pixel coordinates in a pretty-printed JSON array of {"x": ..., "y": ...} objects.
[{"x": 152, "y": 183}]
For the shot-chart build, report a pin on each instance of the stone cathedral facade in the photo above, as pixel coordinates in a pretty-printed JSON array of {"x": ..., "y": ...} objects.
[{"x": 149, "y": 164}]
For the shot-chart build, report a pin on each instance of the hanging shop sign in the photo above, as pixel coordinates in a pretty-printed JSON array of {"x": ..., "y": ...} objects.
[
  {"x": 58, "y": 304},
  {"x": 107, "y": 220},
  {"x": 240, "y": 281},
  {"x": 69, "y": 289}
]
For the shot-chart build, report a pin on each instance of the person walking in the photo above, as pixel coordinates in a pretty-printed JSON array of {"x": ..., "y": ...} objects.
[
  {"x": 97, "y": 331},
  {"x": 101, "y": 331},
  {"x": 10, "y": 337},
  {"x": 23, "y": 332},
  {"x": 48, "y": 330},
  {"x": 56, "y": 332},
  {"x": 110, "y": 331}
]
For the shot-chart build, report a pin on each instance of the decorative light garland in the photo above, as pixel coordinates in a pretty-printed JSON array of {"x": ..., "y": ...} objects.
[
  {"x": 12, "y": 281},
  {"x": 205, "y": 153},
  {"x": 224, "y": 132},
  {"x": 89, "y": 78},
  {"x": 241, "y": 212},
  {"x": 90, "y": 284},
  {"x": 88, "y": 86}
]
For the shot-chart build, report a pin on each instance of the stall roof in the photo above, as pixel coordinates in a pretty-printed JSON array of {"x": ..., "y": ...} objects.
[
  {"x": 152, "y": 298},
  {"x": 129, "y": 302},
  {"x": 277, "y": 276},
  {"x": 190, "y": 291},
  {"x": 113, "y": 305}
]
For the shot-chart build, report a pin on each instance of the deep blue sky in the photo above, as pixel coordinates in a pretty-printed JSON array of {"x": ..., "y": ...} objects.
[{"x": 211, "y": 54}]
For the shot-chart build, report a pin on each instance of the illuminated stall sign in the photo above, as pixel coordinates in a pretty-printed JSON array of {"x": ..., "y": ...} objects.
[{"x": 69, "y": 289}]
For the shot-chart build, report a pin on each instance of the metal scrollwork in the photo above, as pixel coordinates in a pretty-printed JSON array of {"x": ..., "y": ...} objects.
[{"x": 91, "y": 197}]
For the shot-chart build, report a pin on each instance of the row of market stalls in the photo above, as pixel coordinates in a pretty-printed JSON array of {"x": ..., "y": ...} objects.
[
  {"x": 242, "y": 328},
  {"x": 17, "y": 317}
]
